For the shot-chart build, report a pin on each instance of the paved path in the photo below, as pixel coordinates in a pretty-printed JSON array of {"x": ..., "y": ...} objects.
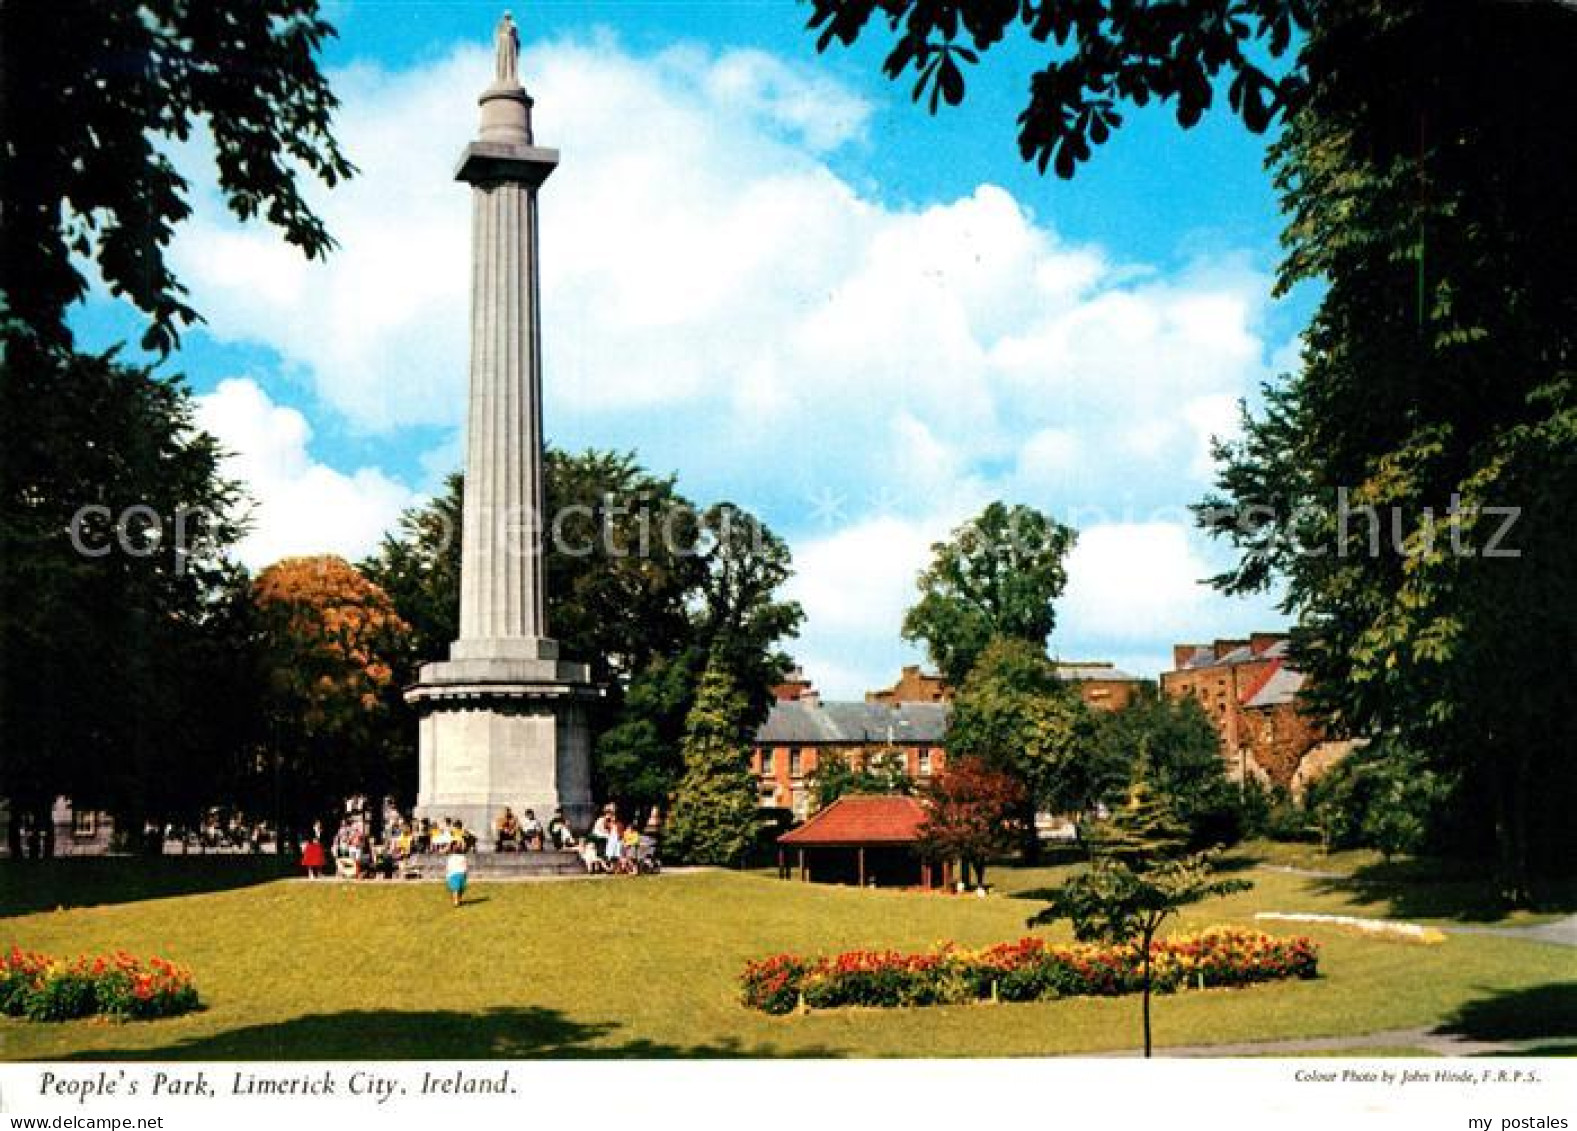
[
  {"x": 1562, "y": 932},
  {"x": 1422, "y": 1040},
  {"x": 1312, "y": 873}
]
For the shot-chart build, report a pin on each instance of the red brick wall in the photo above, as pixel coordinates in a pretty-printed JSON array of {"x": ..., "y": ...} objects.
[
  {"x": 913, "y": 686},
  {"x": 781, "y": 787},
  {"x": 1276, "y": 738}
]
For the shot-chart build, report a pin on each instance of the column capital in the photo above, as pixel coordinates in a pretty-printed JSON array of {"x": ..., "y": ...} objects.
[{"x": 486, "y": 161}]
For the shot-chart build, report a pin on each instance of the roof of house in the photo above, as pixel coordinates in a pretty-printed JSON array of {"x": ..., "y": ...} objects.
[
  {"x": 802, "y": 723},
  {"x": 1204, "y": 657},
  {"x": 1278, "y": 686},
  {"x": 1086, "y": 670},
  {"x": 857, "y": 820}
]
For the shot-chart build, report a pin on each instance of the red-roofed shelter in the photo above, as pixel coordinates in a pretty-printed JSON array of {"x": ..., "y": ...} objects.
[{"x": 862, "y": 840}]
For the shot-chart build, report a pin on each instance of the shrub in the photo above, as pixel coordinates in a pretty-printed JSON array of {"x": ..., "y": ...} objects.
[
  {"x": 40, "y": 988},
  {"x": 1383, "y": 796},
  {"x": 1030, "y": 969}
]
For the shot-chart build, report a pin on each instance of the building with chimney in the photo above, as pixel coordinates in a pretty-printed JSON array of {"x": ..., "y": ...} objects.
[
  {"x": 1252, "y": 695},
  {"x": 1102, "y": 685}
]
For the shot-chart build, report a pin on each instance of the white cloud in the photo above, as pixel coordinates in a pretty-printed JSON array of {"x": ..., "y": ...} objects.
[
  {"x": 299, "y": 506},
  {"x": 701, "y": 257},
  {"x": 718, "y": 297},
  {"x": 1134, "y": 588}
]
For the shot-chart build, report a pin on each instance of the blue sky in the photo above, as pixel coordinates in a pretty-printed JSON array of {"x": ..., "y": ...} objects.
[{"x": 768, "y": 271}]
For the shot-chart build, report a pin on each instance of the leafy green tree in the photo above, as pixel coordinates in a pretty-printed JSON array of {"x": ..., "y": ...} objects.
[
  {"x": 1101, "y": 54},
  {"x": 122, "y": 663},
  {"x": 739, "y": 619},
  {"x": 1014, "y": 714},
  {"x": 639, "y": 756},
  {"x": 973, "y": 813},
  {"x": 640, "y": 583},
  {"x": 1181, "y": 753},
  {"x": 94, "y": 95},
  {"x": 714, "y": 813},
  {"x": 1136, "y": 881},
  {"x": 836, "y": 775},
  {"x": 1383, "y": 796},
  {"x": 1411, "y": 485},
  {"x": 620, "y": 562},
  {"x": 997, "y": 577}
]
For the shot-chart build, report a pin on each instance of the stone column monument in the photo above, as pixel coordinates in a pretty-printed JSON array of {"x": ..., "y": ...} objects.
[{"x": 503, "y": 720}]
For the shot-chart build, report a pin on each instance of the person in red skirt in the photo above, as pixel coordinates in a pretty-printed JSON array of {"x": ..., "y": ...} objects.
[{"x": 313, "y": 858}]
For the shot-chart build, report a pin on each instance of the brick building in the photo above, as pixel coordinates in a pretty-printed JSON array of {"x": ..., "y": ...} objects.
[
  {"x": 1251, "y": 695},
  {"x": 1101, "y": 684},
  {"x": 798, "y": 734},
  {"x": 914, "y": 686}
]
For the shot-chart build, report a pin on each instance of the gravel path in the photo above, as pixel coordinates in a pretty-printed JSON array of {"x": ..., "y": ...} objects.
[{"x": 1423, "y": 1040}]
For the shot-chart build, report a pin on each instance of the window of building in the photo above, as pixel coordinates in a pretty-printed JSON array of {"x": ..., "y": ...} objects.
[
  {"x": 795, "y": 767},
  {"x": 84, "y": 823},
  {"x": 923, "y": 762}
]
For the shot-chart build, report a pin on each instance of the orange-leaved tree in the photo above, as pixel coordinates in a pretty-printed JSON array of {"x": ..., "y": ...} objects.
[{"x": 332, "y": 648}]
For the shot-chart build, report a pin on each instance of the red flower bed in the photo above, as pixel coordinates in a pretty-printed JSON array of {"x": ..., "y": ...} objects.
[
  {"x": 41, "y": 988},
  {"x": 1030, "y": 969}
]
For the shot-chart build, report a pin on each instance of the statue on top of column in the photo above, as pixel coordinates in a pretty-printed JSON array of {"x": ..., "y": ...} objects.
[{"x": 506, "y": 44}]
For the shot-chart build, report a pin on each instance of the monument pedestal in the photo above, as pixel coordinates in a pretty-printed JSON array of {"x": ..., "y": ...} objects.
[{"x": 498, "y": 732}]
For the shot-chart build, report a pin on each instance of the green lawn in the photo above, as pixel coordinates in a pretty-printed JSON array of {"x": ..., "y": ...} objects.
[{"x": 647, "y": 967}]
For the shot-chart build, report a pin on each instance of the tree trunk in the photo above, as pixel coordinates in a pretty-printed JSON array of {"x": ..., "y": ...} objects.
[
  {"x": 1031, "y": 835},
  {"x": 1145, "y": 989},
  {"x": 1508, "y": 777}
]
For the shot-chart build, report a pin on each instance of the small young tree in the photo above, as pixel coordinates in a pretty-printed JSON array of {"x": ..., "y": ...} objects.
[
  {"x": 973, "y": 814},
  {"x": 714, "y": 810},
  {"x": 1136, "y": 880}
]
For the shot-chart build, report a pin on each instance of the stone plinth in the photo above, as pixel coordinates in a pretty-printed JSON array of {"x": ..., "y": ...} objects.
[{"x": 504, "y": 732}]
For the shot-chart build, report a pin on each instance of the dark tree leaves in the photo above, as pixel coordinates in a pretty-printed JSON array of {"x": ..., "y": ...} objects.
[
  {"x": 95, "y": 94},
  {"x": 1105, "y": 52}
]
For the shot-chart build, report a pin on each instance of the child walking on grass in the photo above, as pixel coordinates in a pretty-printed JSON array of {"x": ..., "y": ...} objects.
[{"x": 456, "y": 868}]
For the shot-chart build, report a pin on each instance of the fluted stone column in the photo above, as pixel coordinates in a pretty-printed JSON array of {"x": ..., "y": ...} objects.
[
  {"x": 503, "y": 721},
  {"x": 501, "y": 597}
]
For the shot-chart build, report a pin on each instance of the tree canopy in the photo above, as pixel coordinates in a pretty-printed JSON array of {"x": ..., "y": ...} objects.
[
  {"x": 330, "y": 642},
  {"x": 997, "y": 577},
  {"x": 1411, "y": 485},
  {"x": 123, "y": 666},
  {"x": 96, "y": 96},
  {"x": 973, "y": 813},
  {"x": 1016, "y": 716}
]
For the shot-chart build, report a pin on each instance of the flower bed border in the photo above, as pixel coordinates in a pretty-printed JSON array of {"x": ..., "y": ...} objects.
[
  {"x": 1030, "y": 969},
  {"x": 36, "y": 987}
]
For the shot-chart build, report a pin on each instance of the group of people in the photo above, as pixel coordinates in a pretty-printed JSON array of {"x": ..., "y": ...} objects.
[
  {"x": 611, "y": 846},
  {"x": 356, "y": 853},
  {"x": 514, "y": 834},
  {"x": 614, "y": 847}
]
